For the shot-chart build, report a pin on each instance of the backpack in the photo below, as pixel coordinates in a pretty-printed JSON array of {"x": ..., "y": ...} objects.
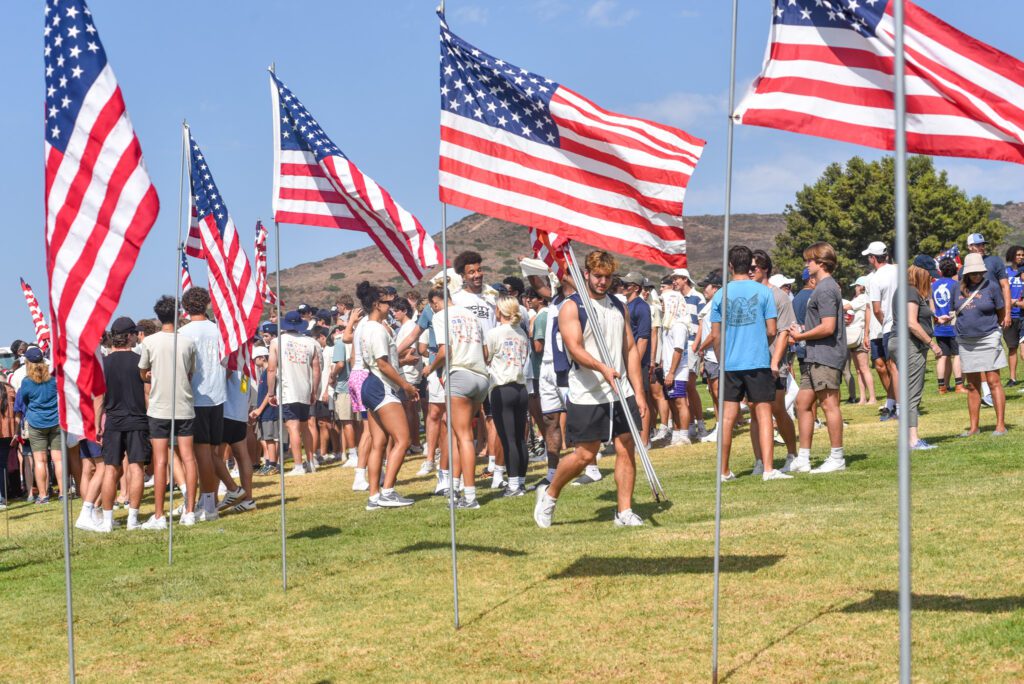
[{"x": 561, "y": 358}]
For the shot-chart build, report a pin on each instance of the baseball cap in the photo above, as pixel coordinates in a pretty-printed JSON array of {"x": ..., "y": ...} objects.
[
  {"x": 778, "y": 280},
  {"x": 500, "y": 288},
  {"x": 293, "y": 322},
  {"x": 123, "y": 325},
  {"x": 260, "y": 352},
  {"x": 805, "y": 276},
  {"x": 862, "y": 281},
  {"x": 34, "y": 354},
  {"x": 712, "y": 278},
  {"x": 876, "y": 248},
  {"x": 325, "y": 314},
  {"x": 927, "y": 263},
  {"x": 634, "y": 277},
  {"x": 975, "y": 239},
  {"x": 268, "y": 327},
  {"x": 682, "y": 272}
]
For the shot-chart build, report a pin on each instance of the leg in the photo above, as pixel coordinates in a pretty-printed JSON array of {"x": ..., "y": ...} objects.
[
  {"x": 783, "y": 421},
  {"x": 694, "y": 407},
  {"x": 805, "y": 409},
  {"x": 763, "y": 411},
  {"x": 204, "y": 455},
  {"x": 570, "y": 467},
  {"x": 995, "y": 383},
  {"x": 240, "y": 450},
  {"x": 160, "y": 447},
  {"x": 294, "y": 441},
  {"x": 552, "y": 426},
  {"x": 829, "y": 401},
  {"x": 728, "y": 422},
  {"x": 894, "y": 378},
  {"x": 42, "y": 473},
  {"x": 463, "y": 410},
  {"x": 393, "y": 419},
  {"x": 625, "y": 471},
  {"x": 974, "y": 401},
  {"x": 883, "y": 376},
  {"x": 378, "y": 442},
  {"x": 136, "y": 483},
  {"x": 110, "y": 476},
  {"x": 186, "y": 449}
]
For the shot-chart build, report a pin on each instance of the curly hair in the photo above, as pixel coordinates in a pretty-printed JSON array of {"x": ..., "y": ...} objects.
[{"x": 195, "y": 301}]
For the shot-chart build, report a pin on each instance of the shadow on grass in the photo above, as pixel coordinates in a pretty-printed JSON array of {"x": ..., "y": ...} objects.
[
  {"x": 612, "y": 566},
  {"x": 436, "y": 546},
  {"x": 889, "y": 600},
  {"x": 319, "y": 532}
]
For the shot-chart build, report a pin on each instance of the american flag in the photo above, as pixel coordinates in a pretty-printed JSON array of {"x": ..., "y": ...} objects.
[
  {"x": 38, "y": 319},
  {"x": 520, "y": 147},
  {"x": 316, "y": 185},
  {"x": 236, "y": 302},
  {"x": 829, "y": 72},
  {"x": 194, "y": 240},
  {"x": 100, "y": 203},
  {"x": 186, "y": 276},
  {"x": 548, "y": 247},
  {"x": 261, "y": 265},
  {"x": 951, "y": 253}
]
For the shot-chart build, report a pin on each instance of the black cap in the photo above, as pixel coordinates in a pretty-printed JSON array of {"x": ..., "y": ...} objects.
[
  {"x": 123, "y": 325},
  {"x": 34, "y": 354},
  {"x": 713, "y": 278},
  {"x": 927, "y": 263}
]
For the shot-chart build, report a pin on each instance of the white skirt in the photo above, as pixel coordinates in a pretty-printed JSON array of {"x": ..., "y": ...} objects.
[{"x": 981, "y": 354}]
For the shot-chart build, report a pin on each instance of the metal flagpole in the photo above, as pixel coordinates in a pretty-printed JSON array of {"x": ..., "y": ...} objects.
[
  {"x": 902, "y": 349},
  {"x": 67, "y": 556},
  {"x": 174, "y": 368},
  {"x": 280, "y": 412},
  {"x": 721, "y": 346},
  {"x": 652, "y": 479}
]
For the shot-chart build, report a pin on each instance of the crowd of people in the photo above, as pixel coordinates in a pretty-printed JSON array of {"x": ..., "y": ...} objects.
[{"x": 530, "y": 378}]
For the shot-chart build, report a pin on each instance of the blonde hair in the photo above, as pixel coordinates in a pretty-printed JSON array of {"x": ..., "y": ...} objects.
[
  {"x": 824, "y": 254},
  {"x": 38, "y": 373},
  {"x": 601, "y": 261},
  {"x": 920, "y": 280},
  {"x": 508, "y": 307}
]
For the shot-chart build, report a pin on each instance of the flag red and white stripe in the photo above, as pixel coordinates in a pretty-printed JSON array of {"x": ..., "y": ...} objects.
[
  {"x": 38, "y": 318},
  {"x": 186, "y": 276},
  {"x": 829, "y": 73},
  {"x": 194, "y": 239},
  {"x": 100, "y": 204},
  {"x": 262, "y": 286},
  {"x": 545, "y": 249},
  {"x": 316, "y": 185}
]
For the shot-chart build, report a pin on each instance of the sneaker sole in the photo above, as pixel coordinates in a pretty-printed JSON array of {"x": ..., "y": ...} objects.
[{"x": 393, "y": 504}]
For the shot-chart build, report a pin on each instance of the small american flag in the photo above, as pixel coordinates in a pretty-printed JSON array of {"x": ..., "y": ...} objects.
[
  {"x": 186, "y": 276},
  {"x": 951, "y": 253},
  {"x": 236, "y": 302},
  {"x": 38, "y": 319},
  {"x": 261, "y": 265},
  {"x": 548, "y": 247},
  {"x": 520, "y": 147},
  {"x": 829, "y": 72},
  {"x": 194, "y": 240},
  {"x": 316, "y": 185},
  {"x": 100, "y": 203}
]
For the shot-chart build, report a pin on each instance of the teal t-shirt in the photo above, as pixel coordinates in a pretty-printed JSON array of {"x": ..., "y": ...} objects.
[{"x": 751, "y": 304}]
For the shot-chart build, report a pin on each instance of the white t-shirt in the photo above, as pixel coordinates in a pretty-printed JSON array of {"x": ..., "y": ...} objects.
[
  {"x": 478, "y": 305},
  {"x": 679, "y": 337},
  {"x": 467, "y": 340},
  {"x": 509, "y": 353},
  {"x": 357, "y": 346},
  {"x": 588, "y": 386},
  {"x": 157, "y": 352},
  {"x": 209, "y": 382},
  {"x": 881, "y": 289},
  {"x": 326, "y": 364},
  {"x": 705, "y": 332},
  {"x": 378, "y": 343},
  {"x": 413, "y": 374},
  {"x": 296, "y": 366},
  {"x": 236, "y": 405},
  {"x": 859, "y": 307}
]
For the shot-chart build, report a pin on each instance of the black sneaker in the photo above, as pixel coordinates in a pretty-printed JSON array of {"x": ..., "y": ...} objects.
[
  {"x": 509, "y": 493},
  {"x": 1011, "y": 383},
  {"x": 464, "y": 505},
  {"x": 543, "y": 483},
  {"x": 885, "y": 414}
]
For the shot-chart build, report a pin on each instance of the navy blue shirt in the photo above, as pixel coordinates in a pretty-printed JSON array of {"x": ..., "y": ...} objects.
[
  {"x": 39, "y": 402},
  {"x": 640, "y": 322},
  {"x": 1016, "y": 289},
  {"x": 800, "y": 300},
  {"x": 943, "y": 295},
  {"x": 979, "y": 318},
  {"x": 270, "y": 412}
]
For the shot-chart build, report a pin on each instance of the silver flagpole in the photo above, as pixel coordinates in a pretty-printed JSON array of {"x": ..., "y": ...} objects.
[
  {"x": 174, "y": 368},
  {"x": 280, "y": 413},
  {"x": 721, "y": 359},
  {"x": 448, "y": 404},
  {"x": 652, "y": 479},
  {"x": 902, "y": 349},
  {"x": 67, "y": 556}
]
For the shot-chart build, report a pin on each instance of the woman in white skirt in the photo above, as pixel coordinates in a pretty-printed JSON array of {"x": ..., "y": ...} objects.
[{"x": 977, "y": 311}]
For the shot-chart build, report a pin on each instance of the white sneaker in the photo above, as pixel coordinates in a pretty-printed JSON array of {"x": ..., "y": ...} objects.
[
  {"x": 178, "y": 510},
  {"x": 426, "y": 468},
  {"x": 103, "y": 527},
  {"x": 660, "y": 434},
  {"x": 830, "y": 465},
  {"x": 710, "y": 437},
  {"x": 134, "y": 524},
  {"x": 206, "y": 516},
  {"x": 148, "y": 482},
  {"x": 628, "y": 519},
  {"x": 155, "y": 523},
  {"x": 728, "y": 477},
  {"x": 795, "y": 464},
  {"x": 360, "y": 484},
  {"x": 296, "y": 471},
  {"x": 758, "y": 468},
  {"x": 680, "y": 437},
  {"x": 86, "y": 522},
  {"x": 352, "y": 462},
  {"x": 498, "y": 480},
  {"x": 987, "y": 400},
  {"x": 544, "y": 509},
  {"x": 187, "y": 519},
  {"x": 775, "y": 475},
  {"x": 231, "y": 498}
]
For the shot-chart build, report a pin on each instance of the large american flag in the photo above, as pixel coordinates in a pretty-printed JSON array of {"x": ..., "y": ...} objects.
[
  {"x": 520, "y": 147},
  {"x": 261, "y": 265},
  {"x": 38, "y": 319},
  {"x": 316, "y": 185},
  {"x": 548, "y": 247},
  {"x": 236, "y": 302},
  {"x": 100, "y": 203},
  {"x": 951, "y": 253},
  {"x": 829, "y": 72}
]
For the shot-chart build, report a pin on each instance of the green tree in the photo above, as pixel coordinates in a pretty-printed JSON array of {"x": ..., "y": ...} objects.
[{"x": 853, "y": 206}]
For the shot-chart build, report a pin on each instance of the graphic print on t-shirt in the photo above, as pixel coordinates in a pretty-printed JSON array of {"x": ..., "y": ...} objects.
[{"x": 742, "y": 310}]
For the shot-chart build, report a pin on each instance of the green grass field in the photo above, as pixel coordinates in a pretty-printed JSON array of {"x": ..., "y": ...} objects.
[{"x": 809, "y": 579}]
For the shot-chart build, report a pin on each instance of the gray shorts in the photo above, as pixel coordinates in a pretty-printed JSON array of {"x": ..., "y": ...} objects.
[
  {"x": 268, "y": 431},
  {"x": 469, "y": 385}
]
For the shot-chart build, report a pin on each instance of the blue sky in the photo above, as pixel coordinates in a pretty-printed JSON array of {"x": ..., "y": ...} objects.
[{"x": 368, "y": 72}]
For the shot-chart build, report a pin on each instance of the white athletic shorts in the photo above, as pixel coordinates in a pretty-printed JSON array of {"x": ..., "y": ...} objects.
[
  {"x": 435, "y": 390},
  {"x": 552, "y": 397}
]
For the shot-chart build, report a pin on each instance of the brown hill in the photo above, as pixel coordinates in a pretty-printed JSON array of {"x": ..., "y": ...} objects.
[
  {"x": 502, "y": 244},
  {"x": 1012, "y": 214}
]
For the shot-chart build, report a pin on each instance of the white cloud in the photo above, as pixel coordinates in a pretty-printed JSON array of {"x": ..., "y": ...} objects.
[
  {"x": 470, "y": 14},
  {"x": 549, "y": 10},
  {"x": 998, "y": 181},
  {"x": 606, "y": 13},
  {"x": 683, "y": 110}
]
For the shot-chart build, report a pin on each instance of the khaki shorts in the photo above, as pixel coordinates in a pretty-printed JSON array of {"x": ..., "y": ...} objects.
[
  {"x": 815, "y": 376},
  {"x": 44, "y": 439},
  {"x": 343, "y": 406}
]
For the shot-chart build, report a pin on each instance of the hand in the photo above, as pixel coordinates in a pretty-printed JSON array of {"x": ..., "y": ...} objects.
[
  {"x": 795, "y": 332},
  {"x": 1006, "y": 319},
  {"x": 775, "y": 369},
  {"x": 937, "y": 349},
  {"x": 273, "y": 400},
  {"x": 411, "y": 393},
  {"x": 324, "y": 397},
  {"x": 610, "y": 376},
  {"x": 641, "y": 405},
  {"x": 943, "y": 319},
  {"x": 253, "y": 415}
]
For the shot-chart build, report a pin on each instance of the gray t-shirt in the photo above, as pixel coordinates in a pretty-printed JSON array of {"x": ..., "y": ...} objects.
[
  {"x": 826, "y": 301},
  {"x": 156, "y": 356},
  {"x": 784, "y": 309}
]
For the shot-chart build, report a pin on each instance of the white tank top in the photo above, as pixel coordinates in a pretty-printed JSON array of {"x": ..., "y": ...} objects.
[
  {"x": 357, "y": 349},
  {"x": 587, "y": 386}
]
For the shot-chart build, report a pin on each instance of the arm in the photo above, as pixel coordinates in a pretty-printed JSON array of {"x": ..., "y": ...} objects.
[
  {"x": 1004, "y": 285},
  {"x": 822, "y": 330},
  {"x": 633, "y": 369},
  {"x": 781, "y": 345},
  {"x": 272, "y": 374},
  {"x": 346, "y": 334},
  {"x": 97, "y": 409},
  {"x": 670, "y": 374},
  {"x": 917, "y": 331},
  {"x": 771, "y": 326},
  {"x": 316, "y": 375},
  {"x": 876, "y": 310},
  {"x": 410, "y": 339},
  {"x": 641, "y": 346},
  {"x": 392, "y": 374},
  {"x": 438, "y": 361}
]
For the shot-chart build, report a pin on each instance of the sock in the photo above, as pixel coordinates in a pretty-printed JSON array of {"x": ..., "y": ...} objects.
[
  {"x": 108, "y": 517},
  {"x": 469, "y": 493},
  {"x": 490, "y": 461},
  {"x": 625, "y": 512},
  {"x": 387, "y": 492},
  {"x": 361, "y": 472},
  {"x": 700, "y": 426},
  {"x": 208, "y": 502},
  {"x": 836, "y": 453},
  {"x": 352, "y": 453},
  {"x": 804, "y": 454},
  {"x": 942, "y": 383},
  {"x": 551, "y": 474},
  {"x": 985, "y": 391},
  {"x": 133, "y": 515},
  {"x": 890, "y": 404},
  {"x": 87, "y": 507},
  {"x": 959, "y": 381},
  {"x": 442, "y": 475}
]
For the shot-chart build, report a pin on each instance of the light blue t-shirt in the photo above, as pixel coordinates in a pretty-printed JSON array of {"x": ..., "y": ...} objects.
[{"x": 751, "y": 304}]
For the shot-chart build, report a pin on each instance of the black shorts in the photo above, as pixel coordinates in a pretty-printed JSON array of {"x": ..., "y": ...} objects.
[
  {"x": 645, "y": 372},
  {"x": 880, "y": 347},
  {"x": 209, "y": 425},
  {"x": 234, "y": 431},
  {"x": 487, "y": 406},
  {"x": 659, "y": 375},
  {"x": 295, "y": 411},
  {"x": 948, "y": 345},
  {"x": 755, "y": 385},
  {"x": 87, "y": 449},
  {"x": 780, "y": 383},
  {"x": 160, "y": 428},
  {"x": 1011, "y": 335},
  {"x": 597, "y": 422},
  {"x": 133, "y": 443},
  {"x": 322, "y": 410}
]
